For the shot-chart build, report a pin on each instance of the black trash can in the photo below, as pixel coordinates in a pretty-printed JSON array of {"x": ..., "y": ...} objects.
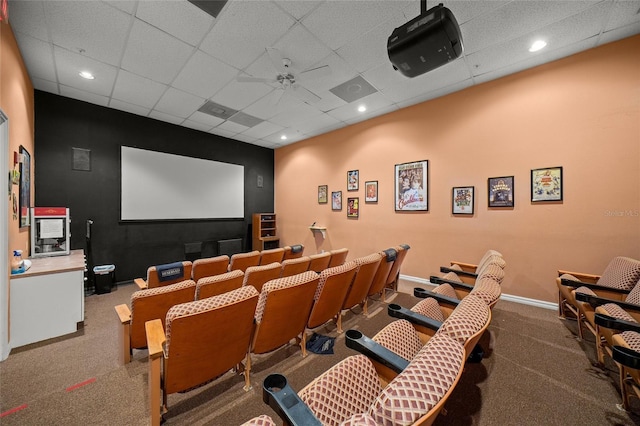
[{"x": 104, "y": 277}]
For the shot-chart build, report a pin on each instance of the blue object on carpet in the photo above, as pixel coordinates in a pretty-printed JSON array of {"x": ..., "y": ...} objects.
[{"x": 319, "y": 344}]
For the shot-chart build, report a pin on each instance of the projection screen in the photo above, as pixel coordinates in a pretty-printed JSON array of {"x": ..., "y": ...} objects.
[{"x": 159, "y": 186}]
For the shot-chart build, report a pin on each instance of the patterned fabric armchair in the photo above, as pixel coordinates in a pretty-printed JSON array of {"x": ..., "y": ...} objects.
[
  {"x": 262, "y": 420},
  {"x": 195, "y": 352},
  {"x": 452, "y": 289},
  {"x": 271, "y": 255},
  {"x": 394, "y": 274},
  {"x": 154, "y": 279},
  {"x": 242, "y": 261},
  {"x": 219, "y": 284},
  {"x": 626, "y": 354},
  {"x": 357, "y": 293},
  {"x": 617, "y": 280},
  {"x": 338, "y": 257},
  {"x": 258, "y": 275},
  {"x": 209, "y": 267},
  {"x": 319, "y": 262},
  {"x": 389, "y": 257},
  {"x": 470, "y": 271},
  {"x": 147, "y": 305},
  {"x": 294, "y": 266}
]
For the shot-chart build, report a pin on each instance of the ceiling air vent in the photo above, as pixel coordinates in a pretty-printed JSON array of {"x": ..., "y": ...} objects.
[{"x": 217, "y": 110}]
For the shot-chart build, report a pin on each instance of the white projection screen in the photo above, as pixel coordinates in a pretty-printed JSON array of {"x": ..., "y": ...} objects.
[{"x": 159, "y": 186}]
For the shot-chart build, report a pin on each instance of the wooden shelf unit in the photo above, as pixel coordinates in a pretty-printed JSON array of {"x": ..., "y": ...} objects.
[{"x": 264, "y": 231}]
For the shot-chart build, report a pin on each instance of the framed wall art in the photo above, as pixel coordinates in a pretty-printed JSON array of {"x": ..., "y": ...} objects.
[
  {"x": 371, "y": 191},
  {"x": 353, "y": 179},
  {"x": 353, "y": 206},
  {"x": 322, "y": 194},
  {"x": 463, "y": 197},
  {"x": 500, "y": 190},
  {"x": 25, "y": 187},
  {"x": 411, "y": 186},
  {"x": 336, "y": 200},
  {"x": 546, "y": 184}
]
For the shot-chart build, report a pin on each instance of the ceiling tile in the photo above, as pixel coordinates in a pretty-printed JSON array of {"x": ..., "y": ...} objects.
[
  {"x": 178, "y": 103},
  {"x": 205, "y": 119},
  {"x": 37, "y": 56},
  {"x": 137, "y": 90},
  {"x": 238, "y": 96},
  {"x": 127, "y": 6},
  {"x": 28, "y": 17},
  {"x": 181, "y": 19},
  {"x": 45, "y": 85},
  {"x": 318, "y": 123},
  {"x": 623, "y": 13},
  {"x": 222, "y": 132},
  {"x": 263, "y": 129},
  {"x": 127, "y": 107},
  {"x": 69, "y": 65},
  {"x": 81, "y": 95},
  {"x": 196, "y": 126},
  {"x": 298, "y": 9},
  {"x": 289, "y": 118},
  {"x": 302, "y": 48},
  {"x": 341, "y": 71},
  {"x": 154, "y": 53},
  {"x": 230, "y": 126},
  {"x": 158, "y": 115},
  {"x": 203, "y": 75}
]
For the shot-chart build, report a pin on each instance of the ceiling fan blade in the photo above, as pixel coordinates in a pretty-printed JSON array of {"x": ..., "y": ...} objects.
[
  {"x": 249, "y": 79},
  {"x": 276, "y": 97},
  {"x": 304, "y": 94},
  {"x": 314, "y": 73},
  {"x": 275, "y": 55}
]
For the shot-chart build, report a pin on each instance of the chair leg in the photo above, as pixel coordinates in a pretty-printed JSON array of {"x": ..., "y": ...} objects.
[
  {"x": 339, "y": 322},
  {"x": 303, "y": 343},
  {"x": 580, "y": 333},
  {"x": 623, "y": 387},
  {"x": 155, "y": 390},
  {"x": 365, "y": 308},
  {"x": 247, "y": 370},
  {"x": 561, "y": 313}
]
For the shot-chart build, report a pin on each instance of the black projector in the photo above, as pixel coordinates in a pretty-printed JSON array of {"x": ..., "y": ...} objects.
[{"x": 426, "y": 42}]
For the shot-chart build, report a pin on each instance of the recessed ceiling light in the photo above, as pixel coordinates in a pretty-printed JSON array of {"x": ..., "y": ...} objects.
[
  {"x": 283, "y": 137},
  {"x": 87, "y": 75},
  {"x": 362, "y": 108},
  {"x": 537, "y": 45}
]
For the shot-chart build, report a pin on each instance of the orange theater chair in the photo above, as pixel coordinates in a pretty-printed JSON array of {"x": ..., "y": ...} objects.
[
  {"x": 169, "y": 273},
  {"x": 218, "y": 284},
  {"x": 209, "y": 267}
]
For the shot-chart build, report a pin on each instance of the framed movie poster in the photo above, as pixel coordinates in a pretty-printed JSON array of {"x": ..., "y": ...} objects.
[
  {"x": 411, "y": 186},
  {"x": 546, "y": 184},
  {"x": 336, "y": 200},
  {"x": 463, "y": 200},
  {"x": 353, "y": 207},
  {"x": 500, "y": 191},
  {"x": 322, "y": 194},
  {"x": 371, "y": 191},
  {"x": 353, "y": 180},
  {"x": 25, "y": 188}
]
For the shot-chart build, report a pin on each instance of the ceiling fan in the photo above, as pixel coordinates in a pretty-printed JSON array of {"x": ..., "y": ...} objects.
[{"x": 288, "y": 79}]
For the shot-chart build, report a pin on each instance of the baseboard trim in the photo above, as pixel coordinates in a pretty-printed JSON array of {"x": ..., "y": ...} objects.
[{"x": 508, "y": 297}]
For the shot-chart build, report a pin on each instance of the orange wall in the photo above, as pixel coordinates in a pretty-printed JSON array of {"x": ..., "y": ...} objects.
[
  {"x": 16, "y": 100},
  {"x": 581, "y": 113}
]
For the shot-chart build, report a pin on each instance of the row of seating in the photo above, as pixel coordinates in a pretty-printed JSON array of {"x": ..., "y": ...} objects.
[
  {"x": 290, "y": 256},
  {"x": 406, "y": 374},
  {"x": 247, "y": 321},
  {"x": 608, "y": 305}
]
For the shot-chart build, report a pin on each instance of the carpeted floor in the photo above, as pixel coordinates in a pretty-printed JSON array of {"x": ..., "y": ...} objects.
[{"x": 535, "y": 372}]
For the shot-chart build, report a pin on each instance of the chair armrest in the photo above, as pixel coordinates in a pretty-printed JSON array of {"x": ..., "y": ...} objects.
[
  {"x": 155, "y": 338},
  {"x": 596, "y": 301},
  {"x": 594, "y": 287},
  {"x": 626, "y": 356},
  {"x": 141, "y": 283},
  {"x": 589, "y": 278},
  {"x": 397, "y": 311},
  {"x": 124, "y": 314},
  {"x": 467, "y": 267},
  {"x": 278, "y": 395},
  {"x": 445, "y": 269},
  {"x": 440, "y": 298},
  {"x": 375, "y": 351},
  {"x": 438, "y": 280},
  {"x": 613, "y": 323}
]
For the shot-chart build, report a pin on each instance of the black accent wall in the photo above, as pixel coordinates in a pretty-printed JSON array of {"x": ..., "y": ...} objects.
[{"x": 62, "y": 124}]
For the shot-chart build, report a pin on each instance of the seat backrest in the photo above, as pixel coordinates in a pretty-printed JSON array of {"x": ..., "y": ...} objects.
[
  {"x": 394, "y": 273},
  {"x": 490, "y": 255},
  {"x": 283, "y": 309},
  {"x": 367, "y": 267},
  {"x": 332, "y": 289},
  {"x": 294, "y": 266},
  {"x": 493, "y": 271},
  {"x": 271, "y": 255},
  {"x": 621, "y": 272},
  {"x": 150, "y": 304},
  {"x": 170, "y": 273},
  {"x": 258, "y": 275},
  {"x": 242, "y": 261},
  {"x": 338, "y": 257},
  {"x": 209, "y": 267},
  {"x": 380, "y": 279},
  {"x": 293, "y": 252},
  {"x": 467, "y": 322},
  {"x": 401, "y": 338},
  {"x": 205, "y": 338},
  {"x": 218, "y": 284},
  {"x": 634, "y": 295},
  {"x": 319, "y": 262},
  {"x": 488, "y": 289},
  {"x": 430, "y": 308}
]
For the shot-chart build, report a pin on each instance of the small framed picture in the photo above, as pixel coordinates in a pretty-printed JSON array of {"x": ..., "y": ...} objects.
[
  {"x": 353, "y": 207},
  {"x": 336, "y": 200},
  {"x": 500, "y": 191},
  {"x": 546, "y": 184},
  {"x": 322, "y": 194},
  {"x": 371, "y": 191},
  {"x": 411, "y": 186},
  {"x": 462, "y": 199},
  {"x": 352, "y": 180}
]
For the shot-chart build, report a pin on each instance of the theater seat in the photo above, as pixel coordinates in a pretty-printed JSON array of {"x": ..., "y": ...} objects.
[
  {"x": 451, "y": 288},
  {"x": 218, "y": 284},
  {"x": 271, "y": 255},
  {"x": 293, "y": 252},
  {"x": 294, "y": 266},
  {"x": 382, "y": 274},
  {"x": 242, "y": 261},
  {"x": 262, "y": 420},
  {"x": 367, "y": 267},
  {"x": 195, "y": 352},
  {"x": 166, "y": 274},
  {"x": 210, "y": 266},
  {"x": 338, "y": 257},
  {"x": 258, "y": 275},
  {"x": 394, "y": 274},
  {"x": 626, "y": 353},
  {"x": 147, "y": 305},
  {"x": 319, "y": 262},
  {"x": 470, "y": 271}
]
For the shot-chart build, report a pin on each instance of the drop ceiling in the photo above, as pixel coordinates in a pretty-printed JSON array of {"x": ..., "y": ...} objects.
[{"x": 171, "y": 61}]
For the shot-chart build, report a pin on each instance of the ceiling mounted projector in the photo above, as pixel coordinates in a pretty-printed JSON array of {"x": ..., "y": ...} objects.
[{"x": 427, "y": 42}]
